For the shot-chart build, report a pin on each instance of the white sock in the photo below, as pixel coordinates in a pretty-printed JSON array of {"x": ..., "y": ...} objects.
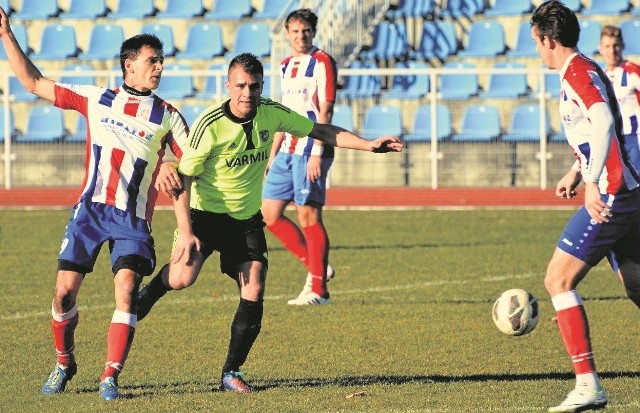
[{"x": 589, "y": 380}]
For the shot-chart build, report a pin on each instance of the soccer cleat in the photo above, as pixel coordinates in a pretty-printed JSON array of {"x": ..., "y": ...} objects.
[
  {"x": 58, "y": 378},
  {"x": 581, "y": 399},
  {"x": 310, "y": 298},
  {"x": 232, "y": 381},
  {"x": 109, "y": 389}
]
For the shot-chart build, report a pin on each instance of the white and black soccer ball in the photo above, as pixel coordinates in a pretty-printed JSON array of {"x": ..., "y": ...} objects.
[{"x": 516, "y": 312}]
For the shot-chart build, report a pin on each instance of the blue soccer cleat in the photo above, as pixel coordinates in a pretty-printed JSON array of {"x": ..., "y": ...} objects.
[
  {"x": 58, "y": 378},
  {"x": 109, "y": 389},
  {"x": 232, "y": 381}
]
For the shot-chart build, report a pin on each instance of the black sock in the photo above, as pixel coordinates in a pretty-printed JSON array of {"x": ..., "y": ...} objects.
[
  {"x": 244, "y": 331},
  {"x": 152, "y": 292}
]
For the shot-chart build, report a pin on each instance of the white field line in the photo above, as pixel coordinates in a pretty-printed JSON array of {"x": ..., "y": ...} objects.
[{"x": 226, "y": 298}]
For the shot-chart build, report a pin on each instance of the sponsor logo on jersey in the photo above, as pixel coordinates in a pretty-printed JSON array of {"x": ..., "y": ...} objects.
[
  {"x": 248, "y": 159},
  {"x": 121, "y": 127}
]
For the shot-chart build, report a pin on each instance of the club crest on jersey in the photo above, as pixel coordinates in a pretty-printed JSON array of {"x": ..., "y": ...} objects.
[{"x": 264, "y": 135}]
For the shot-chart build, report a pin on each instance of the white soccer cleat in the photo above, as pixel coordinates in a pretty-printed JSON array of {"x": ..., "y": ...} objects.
[
  {"x": 581, "y": 399},
  {"x": 309, "y": 298}
]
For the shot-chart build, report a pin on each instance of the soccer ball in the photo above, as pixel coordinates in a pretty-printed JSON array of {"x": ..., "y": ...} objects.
[{"x": 515, "y": 312}]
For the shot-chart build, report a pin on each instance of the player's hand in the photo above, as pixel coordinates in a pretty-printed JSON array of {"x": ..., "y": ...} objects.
[
  {"x": 596, "y": 207},
  {"x": 187, "y": 245},
  {"x": 314, "y": 167},
  {"x": 387, "y": 144},
  {"x": 566, "y": 187},
  {"x": 168, "y": 180}
]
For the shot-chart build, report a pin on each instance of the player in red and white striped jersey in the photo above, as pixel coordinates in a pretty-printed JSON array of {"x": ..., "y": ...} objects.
[
  {"x": 299, "y": 165},
  {"x": 128, "y": 131}
]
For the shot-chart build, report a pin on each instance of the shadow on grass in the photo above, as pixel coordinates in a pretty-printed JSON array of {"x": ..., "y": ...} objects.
[
  {"x": 399, "y": 246},
  {"x": 197, "y": 387}
]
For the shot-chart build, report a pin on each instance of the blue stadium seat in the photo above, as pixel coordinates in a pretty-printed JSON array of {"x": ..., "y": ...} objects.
[
  {"x": 635, "y": 11},
  {"x": 137, "y": 9},
  {"x": 480, "y": 122},
  {"x": 271, "y": 9},
  {"x": 230, "y": 9},
  {"x": 438, "y": 40},
  {"x": 559, "y": 135},
  {"x": 486, "y": 39},
  {"x": 191, "y": 112},
  {"x": 211, "y": 87},
  {"x": 176, "y": 87},
  {"x": 458, "y": 85},
  {"x": 525, "y": 46},
  {"x": 412, "y": 9},
  {"x": 12, "y": 130},
  {"x": 204, "y": 41},
  {"x": 20, "y": 33},
  {"x": 164, "y": 32},
  {"x": 58, "y": 42},
  {"x": 509, "y": 8},
  {"x": 182, "y": 9},
  {"x": 18, "y": 93},
  {"x": 525, "y": 124},
  {"x": 409, "y": 86},
  {"x": 253, "y": 38},
  {"x": 343, "y": 117},
  {"x": 390, "y": 41},
  {"x": 606, "y": 7},
  {"x": 382, "y": 120},
  {"x": 44, "y": 125},
  {"x": 575, "y": 5},
  {"x": 507, "y": 85},
  {"x": 631, "y": 30},
  {"x": 85, "y": 9},
  {"x": 421, "y": 127},
  {"x": 589, "y": 36},
  {"x": 551, "y": 86},
  {"x": 104, "y": 42},
  {"x": 462, "y": 8},
  {"x": 76, "y": 77},
  {"x": 361, "y": 86},
  {"x": 37, "y": 10},
  {"x": 80, "y": 133}
]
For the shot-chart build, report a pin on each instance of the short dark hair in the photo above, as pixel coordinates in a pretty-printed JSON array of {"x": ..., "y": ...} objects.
[
  {"x": 558, "y": 22},
  {"x": 249, "y": 62},
  {"x": 130, "y": 48},
  {"x": 304, "y": 15}
]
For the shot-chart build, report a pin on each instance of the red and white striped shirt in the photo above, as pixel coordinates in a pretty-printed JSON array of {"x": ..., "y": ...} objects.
[
  {"x": 593, "y": 124},
  {"x": 626, "y": 84},
  {"x": 306, "y": 82},
  {"x": 127, "y": 136}
]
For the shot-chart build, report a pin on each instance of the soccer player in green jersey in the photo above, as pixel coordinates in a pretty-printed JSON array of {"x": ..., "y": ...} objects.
[{"x": 217, "y": 189}]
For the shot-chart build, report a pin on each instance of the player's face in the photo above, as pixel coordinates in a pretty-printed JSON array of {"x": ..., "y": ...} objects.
[
  {"x": 245, "y": 90},
  {"x": 144, "y": 73},
  {"x": 543, "y": 47},
  {"x": 300, "y": 37},
  {"x": 611, "y": 50}
]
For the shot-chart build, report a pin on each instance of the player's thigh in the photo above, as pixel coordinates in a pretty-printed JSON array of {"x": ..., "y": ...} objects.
[
  {"x": 132, "y": 246},
  {"x": 306, "y": 191}
]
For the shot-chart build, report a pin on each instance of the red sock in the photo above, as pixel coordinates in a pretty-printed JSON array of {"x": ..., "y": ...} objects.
[
  {"x": 119, "y": 339},
  {"x": 290, "y": 237},
  {"x": 574, "y": 329},
  {"x": 318, "y": 250},
  {"x": 64, "y": 327}
]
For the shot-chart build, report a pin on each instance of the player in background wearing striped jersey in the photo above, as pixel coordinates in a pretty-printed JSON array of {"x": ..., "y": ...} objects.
[
  {"x": 217, "y": 206},
  {"x": 625, "y": 78},
  {"x": 299, "y": 166},
  {"x": 129, "y": 129},
  {"x": 609, "y": 220}
]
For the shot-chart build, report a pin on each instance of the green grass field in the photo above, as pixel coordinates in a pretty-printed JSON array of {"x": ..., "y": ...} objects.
[{"x": 410, "y": 323}]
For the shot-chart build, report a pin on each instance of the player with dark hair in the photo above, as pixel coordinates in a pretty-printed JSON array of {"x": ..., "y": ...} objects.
[
  {"x": 609, "y": 220},
  {"x": 129, "y": 129},
  {"x": 217, "y": 188},
  {"x": 299, "y": 165}
]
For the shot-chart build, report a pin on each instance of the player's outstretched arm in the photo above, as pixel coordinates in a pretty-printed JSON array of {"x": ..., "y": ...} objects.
[
  {"x": 25, "y": 70},
  {"x": 342, "y": 138}
]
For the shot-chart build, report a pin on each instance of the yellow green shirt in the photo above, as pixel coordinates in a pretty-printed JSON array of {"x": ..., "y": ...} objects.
[{"x": 228, "y": 156}]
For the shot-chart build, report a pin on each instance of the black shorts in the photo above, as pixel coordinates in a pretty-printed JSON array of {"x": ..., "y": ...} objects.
[{"x": 238, "y": 241}]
